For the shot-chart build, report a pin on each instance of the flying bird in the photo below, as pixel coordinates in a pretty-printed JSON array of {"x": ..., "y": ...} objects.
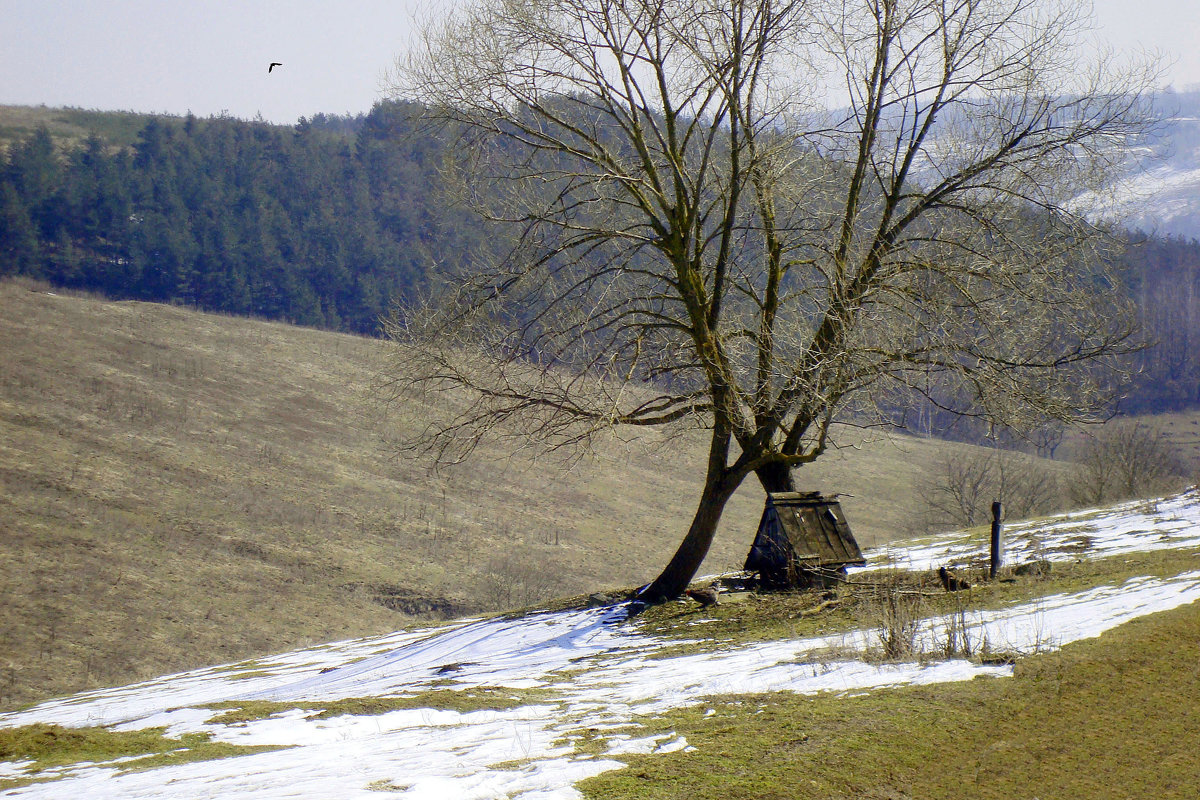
[{"x": 273, "y": 65}]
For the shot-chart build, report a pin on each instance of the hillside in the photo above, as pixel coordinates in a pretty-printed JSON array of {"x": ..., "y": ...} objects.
[
  {"x": 180, "y": 488},
  {"x": 70, "y": 127},
  {"x": 325, "y": 222},
  {"x": 1160, "y": 190},
  {"x": 1072, "y": 676}
]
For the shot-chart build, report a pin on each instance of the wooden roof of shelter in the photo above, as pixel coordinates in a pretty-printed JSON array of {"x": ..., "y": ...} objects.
[{"x": 799, "y": 533}]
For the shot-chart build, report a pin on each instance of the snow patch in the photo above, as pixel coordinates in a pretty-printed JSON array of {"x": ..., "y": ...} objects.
[{"x": 596, "y": 673}]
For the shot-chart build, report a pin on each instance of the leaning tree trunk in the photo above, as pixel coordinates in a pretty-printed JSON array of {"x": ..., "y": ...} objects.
[
  {"x": 718, "y": 488},
  {"x": 674, "y": 578}
]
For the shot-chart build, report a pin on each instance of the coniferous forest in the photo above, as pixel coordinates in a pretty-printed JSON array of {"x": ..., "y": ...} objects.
[
  {"x": 327, "y": 222},
  {"x": 320, "y": 224}
]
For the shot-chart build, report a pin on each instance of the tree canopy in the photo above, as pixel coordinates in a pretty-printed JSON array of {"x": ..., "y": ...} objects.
[{"x": 700, "y": 241}]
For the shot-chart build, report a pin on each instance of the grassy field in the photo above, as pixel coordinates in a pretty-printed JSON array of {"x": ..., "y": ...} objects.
[
  {"x": 1113, "y": 718},
  {"x": 180, "y": 489}
]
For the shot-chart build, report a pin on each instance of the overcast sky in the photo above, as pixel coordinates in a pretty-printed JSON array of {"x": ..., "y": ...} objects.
[{"x": 210, "y": 56}]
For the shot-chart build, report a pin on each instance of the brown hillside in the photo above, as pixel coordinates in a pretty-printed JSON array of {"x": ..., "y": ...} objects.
[{"x": 180, "y": 489}]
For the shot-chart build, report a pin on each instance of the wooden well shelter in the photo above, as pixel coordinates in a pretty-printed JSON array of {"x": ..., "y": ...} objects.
[{"x": 803, "y": 541}]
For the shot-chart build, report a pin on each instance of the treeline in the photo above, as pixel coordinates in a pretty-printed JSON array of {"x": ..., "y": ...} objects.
[
  {"x": 1164, "y": 276},
  {"x": 326, "y": 222},
  {"x": 320, "y": 224}
]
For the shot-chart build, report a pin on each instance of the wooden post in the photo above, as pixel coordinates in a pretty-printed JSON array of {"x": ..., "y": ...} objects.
[{"x": 997, "y": 543}]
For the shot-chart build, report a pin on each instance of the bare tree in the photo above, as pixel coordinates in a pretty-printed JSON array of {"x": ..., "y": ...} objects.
[
  {"x": 1126, "y": 459},
  {"x": 962, "y": 488},
  {"x": 696, "y": 242},
  {"x": 1047, "y": 438},
  {"x": 1026, "y": 487},
  {"x": 965, "y": 482}
]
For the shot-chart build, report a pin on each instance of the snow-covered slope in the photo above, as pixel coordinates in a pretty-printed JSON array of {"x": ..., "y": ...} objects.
[
  {"x": 569, "y": 673},
  {"x": 1160, "y": 191},
  {"x": 1139, "y": 526}
]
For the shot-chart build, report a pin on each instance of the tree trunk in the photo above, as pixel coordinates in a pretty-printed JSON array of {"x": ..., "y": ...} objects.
[
  {"x": 718, "y": 488},
  {"x": 776, "y": 477},
  {"x": 694, "y": 547},
  {"x": 674, "y": 578}
]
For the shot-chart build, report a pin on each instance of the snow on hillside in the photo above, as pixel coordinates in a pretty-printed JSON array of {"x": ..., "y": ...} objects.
[
  {"x": 1159, "y": 191},
  {"x": 1162, "y": 200},
  {"x": 1138, "y": 526},
  {"x": 586, "y": 671}
]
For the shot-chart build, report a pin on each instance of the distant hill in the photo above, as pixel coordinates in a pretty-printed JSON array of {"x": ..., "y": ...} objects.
[
  {"x": 70, "y": 127},
  {"x": 1160, "y": 192},
  {"x": 323, "y": 223},
  {"x": 181, "y": 488},
  {"x": 328, "y": 222}
]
